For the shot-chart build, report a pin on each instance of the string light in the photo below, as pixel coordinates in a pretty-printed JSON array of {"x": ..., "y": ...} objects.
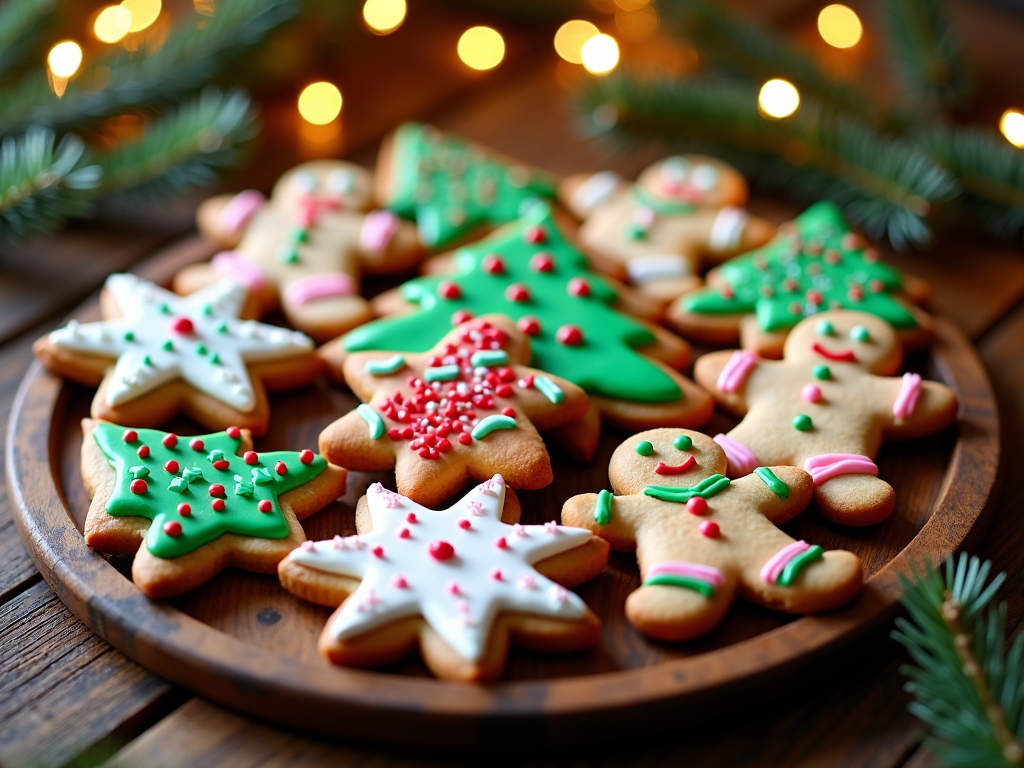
[
  {"x": 600, "y": 54},
  {"x": 144, "y": 13},
  {"x": 112, "y": 24},
  {"x": 384, "y": 16},
  {"x": 778, "y": 98},
  {"x": 320, "y": 103},
  {"x": 481, "y": 48},
  {"x": 1012, "y": 127},
  {"x": 839, "y": 26},
  {"x": 65, "y": 58},
  {"x": 571, "y": 36}
]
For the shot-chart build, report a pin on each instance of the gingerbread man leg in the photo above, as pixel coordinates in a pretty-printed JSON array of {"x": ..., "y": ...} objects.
[{"x": 670, "y": 613}]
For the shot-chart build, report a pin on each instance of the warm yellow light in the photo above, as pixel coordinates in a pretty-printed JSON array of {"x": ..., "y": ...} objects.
[
  {"x": 481, "y": 48},
  {"x": 632, "y": 5},
  {"x": 112, "y": 24},
  {"x": 384, "y": 16},
  {"x": 600, "y": 54},
  {"x": 839, "y": 26},
  {"x": 778, "y": 98},
  {"x": 320, "y": 103},
  {"x": 571, "y": 36},
  {"x": 144, "y": 13},
  {"x": 65, "y": 58},
  {"x": 1012, "y": 127}
]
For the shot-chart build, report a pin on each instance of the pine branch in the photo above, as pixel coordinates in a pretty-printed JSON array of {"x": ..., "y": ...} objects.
[
  {"x": 41, "y": 186},
  {"x": 887, "y": 187},
  {"x": 967, "y": 687},
  {"x": 184, "y": 148},
  {"x": 927, "y": 52},
  {"x": 21, "y": 23}
]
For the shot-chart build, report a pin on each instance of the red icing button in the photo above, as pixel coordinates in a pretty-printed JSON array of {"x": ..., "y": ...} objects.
[
  {"x": 461, "y": 316},
  {"x": 184, "y": 509},
  {"x": 441, "y": 550},
  {"x": 464, "y": 524},
  {"x": 182, "y": 325},
  {"x": 130, "y": 436},
  {"x": 404, "y": 533},
  {"x": 280, "y": 468},
  {"x": 815, "y": 297},
  {"x": 171, "y": 466},
  {"x": 535, "y": 235},
  {"x": 221, "y": 464},
  {"x": 569, "y": 335},
  {"x": 234, "y": 432},
  {"x": 517, "y": 292},
  {"x": 196, "y": 445},
  {"x": 143, "y": 451},
  {"x": 251, "y": 457},
  {"x": 579, "y": 287},
  {"x": 306, "y": 456},
  {"x": 411, "y": 517},
  {"x": 264, "y": 505},
  {"x": 710, "y": 529},
  {"x": 216, "y": 489},
  {"x": 138, "y": 486},
  {"x": 378, "y": 551},
  {"x": 170, "y": 440},
  {"x": 172, "y": 528},
  {"x": 492, "y": 264},
  {"x": 218, "y": 505},
  {"x": 449, "y": 290},
  {"x": 696, "y": 506},
  {"x": 500, "y": 543},
  {"x": 529, "y": 325},
  {"x": 542, "y": 262}
]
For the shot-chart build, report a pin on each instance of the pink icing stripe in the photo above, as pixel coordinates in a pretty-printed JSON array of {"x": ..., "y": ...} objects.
[
  {"x": 239, "y": 209},
  {"x": 694, "y": 570},
  {"x": 736, "y": 371},
  {"x": 307, "y": 289},
  {"x": 906, "y": 400},
  {"x": 771, "y": 570},
  {"x": 828, "y": 465},
  {"x": 741, "y": 460},
  {"x": 236, "y": 267},
  {"x": 378, "y": 229}
]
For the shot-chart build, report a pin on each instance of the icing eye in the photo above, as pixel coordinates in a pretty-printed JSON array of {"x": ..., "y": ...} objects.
[
  {"x": 304, "y": 181},
  {"x": 683, "y": 442},
  {"x": 704, "y": 177},
  {"x": 341, "y": 181},
  {"x": 644, "y": 448},
  {"x": 824, "y": 328},
  {"x": 675, "y": 168},
  {"x": 860, "y": 333}
]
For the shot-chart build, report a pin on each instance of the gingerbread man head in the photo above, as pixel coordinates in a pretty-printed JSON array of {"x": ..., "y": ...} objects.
[
  {"x": 697, "y": 180},
  {"x": 846, "y": 337}
]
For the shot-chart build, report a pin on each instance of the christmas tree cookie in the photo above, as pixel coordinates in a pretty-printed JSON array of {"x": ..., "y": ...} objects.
[
  {"x": 815, "y": 263},
  {"x": 188, "y": 507},
  {"x": 452, "y": 187},
  {"x": 701, "y": 539},
  {"x": 681, "y": 212},
  {"x": 531, "y": 273},
  {"x": 466, "y": 410},
  {"x": 461, "y": 583},
  {"x": 159, "y": 354},
  {"x": 303, "y": 250},
  {"x": 827, "y": 406}
]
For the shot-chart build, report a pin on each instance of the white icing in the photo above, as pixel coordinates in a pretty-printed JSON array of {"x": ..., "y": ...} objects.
[
  {"x": 341, "y": 181},
  {"x": 459, "y": 598},
  {"x": 675, "y": 168},
  {"x": 304, "y": 182},
  {"x": 704, "y": 177},
  {"x": 647, "y": 269},
  {"x": 727, "y": 229},
  {"x": 596, "y": 191},
  {"x": 140, "y": 303}
]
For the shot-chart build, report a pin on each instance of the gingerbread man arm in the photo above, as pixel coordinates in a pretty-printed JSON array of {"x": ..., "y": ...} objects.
[
  {"x": 915, "y": 407},
  {"x": 776, "y": 503},
  {"x": 729, "y": 390},
  {"x": 614, "y": 518}
]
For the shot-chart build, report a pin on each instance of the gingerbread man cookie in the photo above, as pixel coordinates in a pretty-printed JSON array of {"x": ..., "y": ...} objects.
[
  {"x": 468, "y": 409},
  {"x": 532, "y": 273},
  {"x": 304, "y": 249},
  {"x": 159, "y": 354},
  {"x": 827, "y": 407},
  {"x": 815, "y": 263},
  {"x": 682, "y": 211},
  {"x": 453, "y": 187},
  {"x": 190, "y": 507},
  {"x": 700, "y": 538},
  {"x": 461, "y": 583}
]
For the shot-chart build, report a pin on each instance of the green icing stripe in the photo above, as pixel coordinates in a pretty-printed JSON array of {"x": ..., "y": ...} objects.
[
  {"x": 374, "y": 423},
  {"x": 798, "y": 563},
  {"x": 492, "y": 423},
  {"x": 549, "y": 389},
  {"x": 664, "y": 207},
  {"x": 668, "y": 580},
  {"x": 441, "y": 372},
  {"x": 603, "y": 508},
  {"x": 488, "y": 358},
  {"x": 770, "y": 479},
  {"x": 385, "y": 367},
  {"x": 706, "y": 488}
]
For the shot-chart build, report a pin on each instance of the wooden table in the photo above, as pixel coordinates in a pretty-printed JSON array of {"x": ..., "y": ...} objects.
[{"x": 68, "y": 697}]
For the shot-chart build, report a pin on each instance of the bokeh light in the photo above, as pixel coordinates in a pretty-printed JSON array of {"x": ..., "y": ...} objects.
[
  {"x": 112, "y": 23},
  {"x": 384, "y": 16},
  {"x": 1012, "y": 127},
  {"x": 778, "y": 98},
  {"x": 637, "y": 25},
  {"x": 481, "y": 48},
  {"x": 600, "y": 54},
  {"x": 839, "y": 26},
  {"x": 144, "y": 13},
  {"x": 320, "y": 103},
  {"x": 65, "y": 58},
  {"x": 632, "y": 5},
  {"x": 571, "y": 36}
]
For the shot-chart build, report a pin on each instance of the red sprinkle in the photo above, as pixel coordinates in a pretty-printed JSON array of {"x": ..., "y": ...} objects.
[
  {"x": 216, "y": 489},
  {"x": 182, "y": 325},
  {"x": 172, "y": 528},
  {"x": 492, "y": 264},
  {"x": 876, "y": 286},
  {"x": 529, "y": 325},
  {"x": 196, "y": 445},
  {"x": 461, "y": 316},
  {"x": 143, "y": 451},
  {"x": 815, "y": 297},
  {"x": 449, "y": 290},
  {"x": 264, "y": 505},
  {"x": 411, "y": 517},
  {"x": 464, "y": 524},
  {"x": 171, "y": 466},
  {"x": 404, "y": 533},
  {"x": 710, "y": 529},
  {"x": 871, "y": 255},
  {"x": 696, "y": 506},
  {"x": 221, "y": 464},
  {"x": 517, "y": 292},
  {"x": 251, "y": 457},
  {"x": 510, "y": 412},
  {"x": 378, "y": 551},
  {"x": 170, "y": 440},
  {"x": 503, "y": 390},
  {"x": 579, "y": 287},
  {"x": 465, "y": 438},
  {"x": 218, "y": 505},
  {"x": 441, "y": 550},
  {"x": 570, "y": 335},
  {"x": 727, "y": 292},
  {"x": 184, "y": 509},
  {"x": 280, "y": 468},
  {"x": 234, "y": 432},
  {"x": 305, "y": 456},
  {"x": 130, "y": 436},
  {"x": 138, "y": 486},
  {"x": 542, "y": 262},
  {"x": 535, "y": 235},
  {"x": 856, "y": 293},
  {"x": 500, "y": 543}
]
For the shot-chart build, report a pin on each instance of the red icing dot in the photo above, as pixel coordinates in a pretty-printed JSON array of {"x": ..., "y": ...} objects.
[
  {"x": 218, "y": 505},
  {"x": 221, "y": 464},
  {"x": 404, "y": 533},
  {"x": 529, "y": 325},
  {"x": 264, "y": 505},
  {"x": 727, "y": 291},
  {"x": 856, "y": 293},
  {"x": 876, "y": 286},
  {"x": 815, "y": 297},
  {"x": 172, "y": 528},
  {"x": 542, "y": 262},
  {"x": 411, "y": 517},
  {"x": 306, "y": 456},
  {"x": 170, "y": 440},
  {"x": 500, "y": 543},
  {"x": 216, "y": 489},
  {"x": 441, "y": 550},
  {"x": 696, "y": 506},
  {"x": 130, "y": 436},
  {"x": 795, "y": 308},
  {"x": 196, "y": 445},
  {"x": 579, "y": 287},
  {"x": 496, "y": 574},
  {"x": 461, "y": 316},
  {"x": 465, "y": 438},
  {"x": 492, "y": 264},
  {"x": 234, "y": 432},
  {"x": 184, "y": 509},
  {"x": 449, "y": 290},
  {"x": 138, "y": 486},
  {"x": 710, "y": 529},
  {"x": 790, "y": 285},
  {"x": 143, "y": 451},
  {"x": 464, "y": 524},
  {"x": 503, "y": 390},
  {"x": 171, "y": 466},
  {"x": 871, "y": 255},
  {"x": 251, "y": 457},
  {"x": 182, "y": 325},
  {"x": 570, "y": 335},
  {"x": 443, "y": 445},
  {"x": 832, "y": 257},
  {"x": 280, "y": 468},
  {"x": 378, "y": 551},
  {"x": 510, "y": 412},
  {"x": 767, "y": 291},
  {"x": 517, "y": 292},
  {"x": 535, "y": 235}
]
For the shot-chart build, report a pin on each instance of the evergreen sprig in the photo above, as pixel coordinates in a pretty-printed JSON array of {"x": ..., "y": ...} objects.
[
  {"x": 967, "y": 686},
  {"x": 21, "y": 24}
]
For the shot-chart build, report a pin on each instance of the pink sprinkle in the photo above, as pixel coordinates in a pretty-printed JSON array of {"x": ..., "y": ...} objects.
[
  {"x": 338, "y": 542},
  {"x": 526, "y": 582},
  {"x": 464, "y": 524},
  {"x": 475, "y": 508},
  {"x": 496, "y": 574},
  {"x": 309, "y": 546},
  {"x": 811, "y": 393},
  {"x": 398, "y": 581},
  {"x": 518, "y": 530},
  {"x": 551, "y": 527},
  {"x": 452, "y": 588}
]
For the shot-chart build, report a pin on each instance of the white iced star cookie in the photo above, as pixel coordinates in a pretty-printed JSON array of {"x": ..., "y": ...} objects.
[
  {"x": 157, "y": 354},
  {"x": 459, "y": 581}
]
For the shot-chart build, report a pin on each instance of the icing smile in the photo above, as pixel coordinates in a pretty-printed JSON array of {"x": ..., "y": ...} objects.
[
  {"x": 678, "y": 469},
  {"x": 846, "y": 356}
]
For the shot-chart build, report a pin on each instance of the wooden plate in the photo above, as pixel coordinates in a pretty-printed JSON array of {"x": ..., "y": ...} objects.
[{"x": 243, "y": 641}]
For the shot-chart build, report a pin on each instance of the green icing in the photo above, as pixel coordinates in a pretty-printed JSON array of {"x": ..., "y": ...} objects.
[
  {"x": 166, "y": 491},
  {"x": 686, "y": 582},
  {"x": 451, "y": 186},
  {"x": 603, "y": 508},
  {"x": 777, "y": 486},
  {"x": 773, "y": 281},
  {"x": 798, "y": 563},
  {"x": 549, "y": 389},
  {"x": 604, "y": 364},
  {"x": 706, "y": 488},
  {"x": 492, "y": 423}
]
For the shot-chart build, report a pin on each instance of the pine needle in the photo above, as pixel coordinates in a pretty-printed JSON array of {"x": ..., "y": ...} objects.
[{"x": 21, "y": 24}]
